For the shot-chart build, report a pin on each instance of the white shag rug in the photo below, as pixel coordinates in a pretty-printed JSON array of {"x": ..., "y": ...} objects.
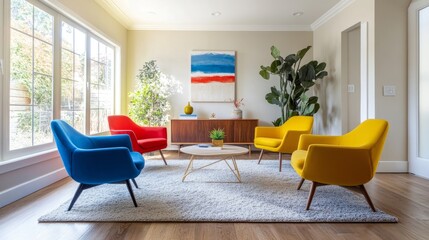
[{"x": 213, "y": 195}]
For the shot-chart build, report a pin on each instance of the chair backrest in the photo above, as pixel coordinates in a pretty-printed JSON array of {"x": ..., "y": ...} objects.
[
  {"x": 299, "y": 123},
  {"x": 68, "y": 140},
  {"x": 370, "y": 134},
  {"x": 122, "y": 122}
]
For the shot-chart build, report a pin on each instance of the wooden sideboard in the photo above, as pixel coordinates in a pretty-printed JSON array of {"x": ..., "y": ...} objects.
[{"x": 237, "y": 131}]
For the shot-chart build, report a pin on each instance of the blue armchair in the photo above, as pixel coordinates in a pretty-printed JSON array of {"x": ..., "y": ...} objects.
[{"x": 96, "y": 160}]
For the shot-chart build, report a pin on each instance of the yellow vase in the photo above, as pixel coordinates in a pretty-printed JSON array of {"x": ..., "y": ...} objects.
[{"x": 189, "y": 109}]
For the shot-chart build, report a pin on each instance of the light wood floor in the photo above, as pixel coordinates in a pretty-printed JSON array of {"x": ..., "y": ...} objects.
[{"x": 403, "y": 195}]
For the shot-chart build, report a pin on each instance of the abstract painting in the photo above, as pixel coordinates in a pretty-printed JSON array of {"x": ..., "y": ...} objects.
[{"x": 212, "y": 76}]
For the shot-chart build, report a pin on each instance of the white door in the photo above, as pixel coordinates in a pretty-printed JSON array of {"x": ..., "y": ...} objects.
[{"x": 418, "y": 88}]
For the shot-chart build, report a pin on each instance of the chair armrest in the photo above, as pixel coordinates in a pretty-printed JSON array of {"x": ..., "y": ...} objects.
[
  {"x": 103, "y": 165},
  {"x": 307, "y": 139},
  {"x": 152, "y": 132},
  {"x": 272, "y": 132},
  {"x": 344, "y": 166},
  {"x": 131, "y": 135},
  {"x": 111, "y": 141}
]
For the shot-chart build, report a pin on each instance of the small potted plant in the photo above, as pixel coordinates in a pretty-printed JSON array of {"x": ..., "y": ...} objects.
[{"x": 217, "y": 135}]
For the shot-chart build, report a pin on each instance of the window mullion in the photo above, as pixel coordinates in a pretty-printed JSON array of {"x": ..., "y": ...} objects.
[{"x": 88, "y": 85}]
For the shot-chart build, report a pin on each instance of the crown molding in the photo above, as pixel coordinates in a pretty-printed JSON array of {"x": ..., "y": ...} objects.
[
  {"x": 340, "y": 6},
  {"x": 249, "y": 28},
  {"x": 115, "y": 12}
]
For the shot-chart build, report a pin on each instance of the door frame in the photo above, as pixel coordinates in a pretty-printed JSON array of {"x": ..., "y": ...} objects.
[
  {"x": 416, "y": 165},
  {"x": 367, "y": 93}
]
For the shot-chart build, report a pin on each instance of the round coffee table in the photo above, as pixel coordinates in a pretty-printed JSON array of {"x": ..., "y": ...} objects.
[{"x": 225, "y": 153}]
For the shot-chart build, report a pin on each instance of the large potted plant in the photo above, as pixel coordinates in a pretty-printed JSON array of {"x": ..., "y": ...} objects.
[
  {"x": 295, "y": 81},
  {"x": 149, "y": 102}
]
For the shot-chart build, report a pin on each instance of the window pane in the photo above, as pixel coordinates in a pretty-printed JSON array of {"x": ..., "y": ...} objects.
[
  {"x": 66, "y": 64},
  {"x": 67, "y": 36},
  {"x": 73, "y": 88},
  {"x": 44, "y": 57},
  {"x": 20, "y": 127},
  {"x": 21, "y": 16},
  {"x": 94, "y": 122},
  {"x": 43, "y": 24},
  {"x": 31, "y": 71}
]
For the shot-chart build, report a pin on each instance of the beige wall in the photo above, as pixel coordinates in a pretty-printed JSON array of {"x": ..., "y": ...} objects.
[
  {"x": 172, "y": 51},
  {"x": 387, "y": 61}
]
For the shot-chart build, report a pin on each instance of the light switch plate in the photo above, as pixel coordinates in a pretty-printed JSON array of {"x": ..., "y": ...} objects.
[
  {"x": 351, "y": 88},
  {"x": 389, "y": 90}
]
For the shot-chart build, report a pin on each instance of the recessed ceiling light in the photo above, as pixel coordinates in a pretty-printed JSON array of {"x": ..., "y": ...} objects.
[
  {"x": 296, "y": 14},
  {"x": 150, "y": 12},
  {"x": 216, "y": 14}
]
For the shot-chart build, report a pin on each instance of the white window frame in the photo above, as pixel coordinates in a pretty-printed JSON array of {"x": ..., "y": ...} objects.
[{"x": 33, "y": 152}]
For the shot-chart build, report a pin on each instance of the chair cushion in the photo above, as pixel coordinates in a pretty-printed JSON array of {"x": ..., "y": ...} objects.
[
  {"x": 297, "y": 160},
  {"x": 138, "y": 160},
  {"x": 269, "y": 142},
  {"x": 152, "y": 142}
]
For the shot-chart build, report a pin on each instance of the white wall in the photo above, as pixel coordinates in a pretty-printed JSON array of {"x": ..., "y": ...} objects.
[
  {"x": 387, "y": 61},
  {"x": 172, "y": 51},
  {"x": 24, "y": 176}
]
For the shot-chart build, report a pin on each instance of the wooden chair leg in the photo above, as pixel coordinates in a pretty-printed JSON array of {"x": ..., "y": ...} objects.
[
  {"x": 311, "y": 194},
  {"x": 260, "y": 155},
  {"x": 162, "y": 155},
  {"x": 368, "y": 199},
  {"x": 130, "y": 190},
  {"x": 300, "y": 183},
  {"x": 280, "y": 160}
]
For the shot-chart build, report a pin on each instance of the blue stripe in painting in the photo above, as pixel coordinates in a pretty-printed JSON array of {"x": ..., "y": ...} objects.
[
  {"x": 213, "y": 63},
  {"x": 213, "y": 68},
  {"x": 213, "y": 59}
]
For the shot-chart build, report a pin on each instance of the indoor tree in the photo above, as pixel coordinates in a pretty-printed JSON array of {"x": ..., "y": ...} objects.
[
  {"x": 149, "y": 102},
  {"x": 295, "y": 81}
]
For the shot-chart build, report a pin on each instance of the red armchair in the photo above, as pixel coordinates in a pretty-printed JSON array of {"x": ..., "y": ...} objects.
[{"x": 143, "y": 139}]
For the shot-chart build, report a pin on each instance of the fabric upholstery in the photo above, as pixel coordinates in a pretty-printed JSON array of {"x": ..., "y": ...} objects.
[
  {"x": 96, "y": 160},
  {"x": 143, "y": 139},
  {"x": 285, "y": 138},
  {"x": 347, "y": 160}
]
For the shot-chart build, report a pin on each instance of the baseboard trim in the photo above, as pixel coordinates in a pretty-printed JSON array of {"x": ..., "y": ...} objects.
[
  {"x": 392, "y": 166},
  {"x": 12, "y": 194}
]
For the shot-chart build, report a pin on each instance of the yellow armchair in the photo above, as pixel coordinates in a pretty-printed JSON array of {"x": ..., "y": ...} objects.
[
  {"x": 282, "y": 139},
  {"x": 349, "y": 160}
]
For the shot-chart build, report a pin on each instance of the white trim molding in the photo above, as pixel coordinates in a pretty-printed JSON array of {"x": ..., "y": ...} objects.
[
  {"x": 331, "y": 13},
  {"x": 392, "y": 167},
  {"x": 12, "y": 194}
]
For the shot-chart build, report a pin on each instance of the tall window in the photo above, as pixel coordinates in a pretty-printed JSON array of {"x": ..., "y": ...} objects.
[
  {"x": 31, "y": 75},
  {"x": 73, "y": 76},
  {"x": 57, "y": 67},
  {"x": 101, "y": 92}
]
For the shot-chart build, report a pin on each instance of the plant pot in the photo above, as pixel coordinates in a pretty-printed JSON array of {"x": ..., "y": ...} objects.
[
  {"x": 217, "y": 143},
  {"x": 237, "y": 114}
]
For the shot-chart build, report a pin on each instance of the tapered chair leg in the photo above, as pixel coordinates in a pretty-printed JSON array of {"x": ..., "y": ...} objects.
[
  {"x": 79, "y": 190},
  {"x": 311, "y": 194},
  {"x": 260, "y": 155},
  {"x": 76, "y": 195},
  {"x": 368, "y": 199},
  {"x": 131, "y": 192},
  {"x": 280, "y": 161},
  {"x": 135, "y": 183},
  {"x": 300, "y": 183},
  {"x": 162, "y": 155}
]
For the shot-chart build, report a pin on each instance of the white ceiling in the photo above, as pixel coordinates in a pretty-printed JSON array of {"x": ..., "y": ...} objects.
[{"x": 245, "y": 15}]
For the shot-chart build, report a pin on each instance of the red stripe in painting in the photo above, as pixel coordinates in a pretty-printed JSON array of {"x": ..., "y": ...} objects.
[{"x": 221, "y": 79}]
